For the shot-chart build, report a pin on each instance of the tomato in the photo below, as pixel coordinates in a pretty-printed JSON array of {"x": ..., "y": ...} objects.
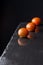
[
  {"x": 22, "y": 32},
  {"x": 30, "y": 26},
  {"x": 36, "y": 20}
]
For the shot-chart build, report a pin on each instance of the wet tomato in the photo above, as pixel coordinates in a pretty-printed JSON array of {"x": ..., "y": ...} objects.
[
  {"x": 30, "y": 26},
  {"x": 22, "y": 32},
  {"x": 36, "y": 20}
]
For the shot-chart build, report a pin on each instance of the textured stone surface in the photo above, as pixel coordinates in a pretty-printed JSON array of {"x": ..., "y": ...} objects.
[{"x": 30, "y": 54}]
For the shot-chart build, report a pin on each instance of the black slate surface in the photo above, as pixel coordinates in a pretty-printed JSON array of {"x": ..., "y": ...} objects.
[{"x": 30, "y": 54}]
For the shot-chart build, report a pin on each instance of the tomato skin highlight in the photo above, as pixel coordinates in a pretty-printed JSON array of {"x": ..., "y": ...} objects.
[
  {"x": 30, "y": 26},
  {"x": 36, "y": 20},
  {"x": 22, "y": 32}
]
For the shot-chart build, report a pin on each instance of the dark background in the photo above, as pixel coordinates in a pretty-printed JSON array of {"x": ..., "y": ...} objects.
[{"x": 12, "y": 12}]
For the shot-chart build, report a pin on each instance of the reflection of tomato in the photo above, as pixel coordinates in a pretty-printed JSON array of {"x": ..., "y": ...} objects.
[
  {"x": 31, "y": 35},
  {"x": 36, "y": 20},
  {"x": 22, "y": 41},
  {"x": 30, "y": 26},
  {"x": 36, "y": 29},
  {"x": 22, "y": 32}
]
